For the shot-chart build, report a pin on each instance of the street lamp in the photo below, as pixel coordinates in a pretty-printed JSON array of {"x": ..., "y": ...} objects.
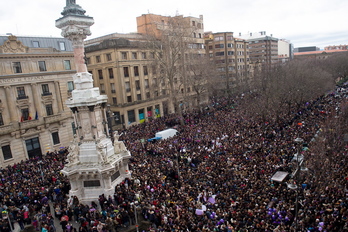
[
  {"x": 136, "y": 215},
  {"x": 299, "y": 161}
]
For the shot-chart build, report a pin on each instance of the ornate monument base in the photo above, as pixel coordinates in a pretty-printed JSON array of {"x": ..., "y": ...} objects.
[{"x": 91, "y": 178}]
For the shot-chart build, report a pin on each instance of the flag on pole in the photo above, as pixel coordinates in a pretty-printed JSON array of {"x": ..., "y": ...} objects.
[
  {"x": 29, "y": 117},
  {"x": 36, "y": 116}
]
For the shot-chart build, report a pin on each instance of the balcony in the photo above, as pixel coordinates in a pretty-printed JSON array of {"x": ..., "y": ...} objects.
[
  {"x": 5, "y": 129},
  {"x": 53, "y": 118},
  {"x": 20, "y": 97},
  {"x": 46, "y": 94}
]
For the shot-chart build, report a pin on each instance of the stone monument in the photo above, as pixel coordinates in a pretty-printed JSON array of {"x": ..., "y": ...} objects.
[{"x": 94, "y": 166}]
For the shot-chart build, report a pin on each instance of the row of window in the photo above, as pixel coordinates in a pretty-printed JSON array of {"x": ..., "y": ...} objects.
[
  {"x": 199, "y": 25},
  {"x": 21, "y": 91},
  {"x": 17, "y": 67},
  {"x": 124, "y": 56},
  {"x": 61, "y": 44},
  {"x": 147, "y": 96},
  {"x": 125, "y": 72},
  {"x": 6, "y": 149}
]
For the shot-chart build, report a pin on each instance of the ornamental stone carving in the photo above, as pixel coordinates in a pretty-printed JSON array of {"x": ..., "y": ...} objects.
[{"x": 12, "y": 45}]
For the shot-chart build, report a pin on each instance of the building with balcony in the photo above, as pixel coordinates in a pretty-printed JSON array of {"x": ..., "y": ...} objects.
[
  {"x": 122, "y": 69},
  {"x": 36, "y": 79},
  {"x": 231, "y": 58},
  {"x": 263, "y": 49}
]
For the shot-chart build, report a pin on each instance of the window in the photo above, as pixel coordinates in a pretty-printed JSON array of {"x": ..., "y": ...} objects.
[
  {"x": 137, "y": 85},
  {"x": 100, "y": 74},
  {"x": 154, "y": 70},
  {"x": 188, "y": 89},
  {"x": 193, "y": 23},
  {"x": 36, "y": 44},
  {"x": 55, "y": 138},
  {"x": 112, "y": 86},
  {"x": 219, "y": 46},
  {"x": 124, "y": 55},
  {"x": 145, "y": 71},
  {"x": 125, "y": 71},
  {"x": 230, "y": 68},
  {"x": 62, "y": 46},
  {"x": 17, "y": 67},
  {"x": 199, "y": 35},
  {"x": 136, "y": 71},
  {"x": 164, "y": 92},
  {"x": 6, "y": 151},
  {"x": 114, "y": 100},
  {"x": 131, "y": 116},
  {"x": 102, "y": 88},
  {"x": 143, "y": 55},
  {"x": 45, "y": 90},
  {"x": 70, "y": 86},
  {"x": 230, "y": 45},
  {"x": 49, "y": 110},
  {"x": 218, "y": 38},
  {"x": 211, "y": 54},
  {"x": 67, "y": 65},
  {"x": 108, "y": 57},
  {"x": 21, "y": 93},
  {"x": 154, "y": 81},
  {"x": 230, "y": 53},
  {"x": 194, "y": 34},
  {"x": 139, "y": 97},
  {"x": 219, "y": 53},
  {"x": 127, "y": 85},
  {"x": 134, "y": 56},
  {"x": 97, "y": 59},
  {"x": 229, "y": 37},
  {"x": 111, "y": 73},
  {"x": 146, "y": 83},
  {"x": 147, "y": 95},
  {"x": 25, "y": 114},
  {"x": 88, "y": 61},
  {"x": 152, "y": 55},
  {"x": 129, "y": 99},
  {"x": 199, "y": 25},
  {"x": 210, "y": 47},
  {"x": 1, "y": 119},
  {"x": 42, "y": 66}
]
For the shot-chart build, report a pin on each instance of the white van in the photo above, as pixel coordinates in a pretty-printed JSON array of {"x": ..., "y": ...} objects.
[{"x": 166, "y": 133}]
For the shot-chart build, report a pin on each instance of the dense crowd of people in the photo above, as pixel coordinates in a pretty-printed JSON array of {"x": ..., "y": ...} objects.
[{"x": 215, "y": 175}]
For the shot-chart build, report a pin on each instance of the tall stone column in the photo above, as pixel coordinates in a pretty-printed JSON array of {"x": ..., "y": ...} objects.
[
  {"x": 92, "y": 160},
  {"x": 11, "y": 104},
  {"x": 59, "y": 97},
  {"x": 37, "y": 100}
]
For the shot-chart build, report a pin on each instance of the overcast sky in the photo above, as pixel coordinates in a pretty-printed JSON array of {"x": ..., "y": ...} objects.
[{"x": 304, "y": 22}]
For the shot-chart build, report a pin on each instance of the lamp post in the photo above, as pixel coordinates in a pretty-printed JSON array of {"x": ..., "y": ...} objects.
[
  {"x": 299, "y": 162},
  {"x": 110, "y": 115},
  {"x": 136, "y": 215}
]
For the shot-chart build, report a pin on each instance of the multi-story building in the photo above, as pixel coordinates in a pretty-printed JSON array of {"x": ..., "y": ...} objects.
[
  {"x": 122, "y": 70},
  {"x": 36, "y": 78},
  {"x": 263, "y": 49},
  {"x": 231, "y": 58},
  {"x": 151, "y": 24},
  {"x": 336, "y": 47},
  {"x": 182, "y": 39},
  {"x": 306, "y": 49},
  {"x": 285, "y": 51}
]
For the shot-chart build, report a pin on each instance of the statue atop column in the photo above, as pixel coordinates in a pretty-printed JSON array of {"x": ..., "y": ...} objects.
[
  {"x": 72, "y": 8},
  {"x": 70, "y": 2}
]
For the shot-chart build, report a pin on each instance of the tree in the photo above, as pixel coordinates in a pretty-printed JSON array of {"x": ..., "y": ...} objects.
[
  {"x": 174, "y": 49},
  {"x": 279, "y": 90}
]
